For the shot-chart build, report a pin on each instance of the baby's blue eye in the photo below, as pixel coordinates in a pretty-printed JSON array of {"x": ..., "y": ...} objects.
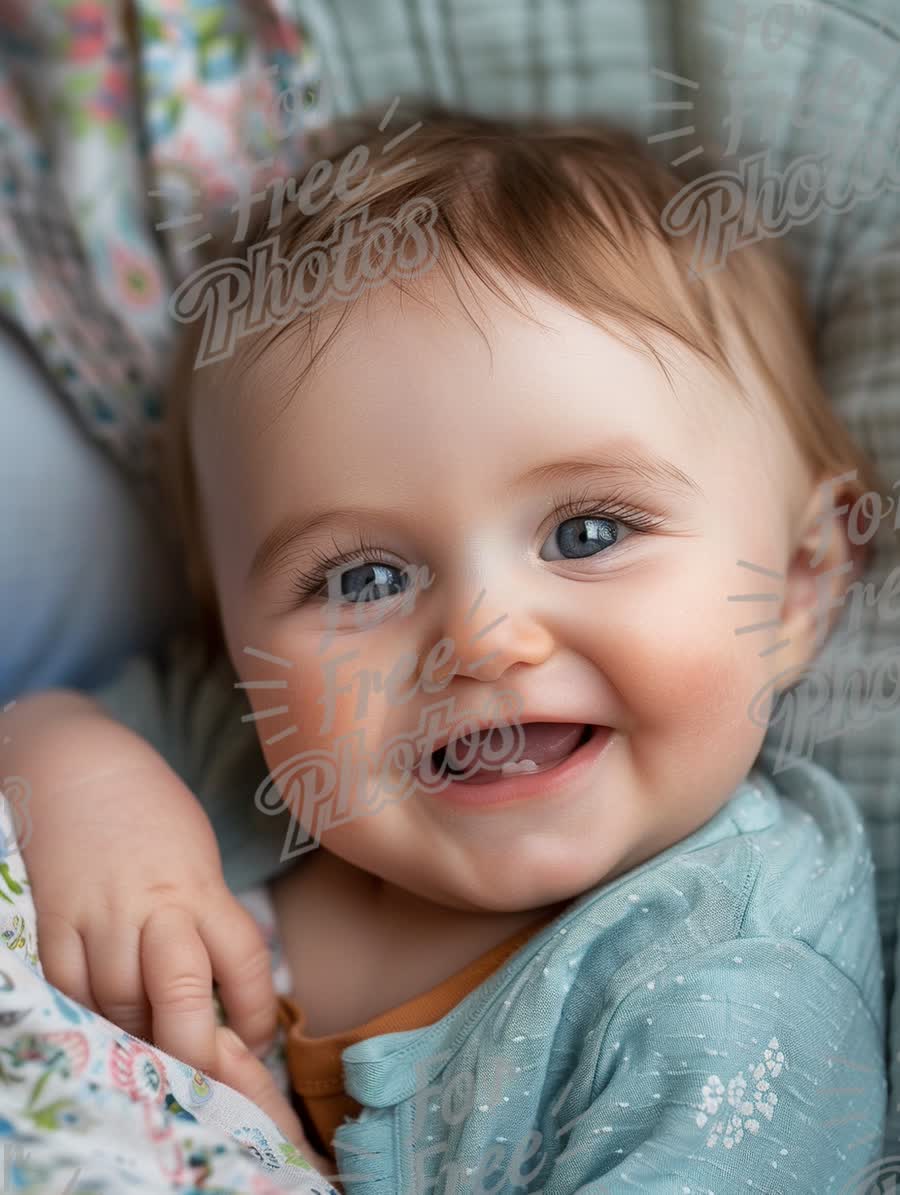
[
  {"x": 577, "y": 538},
  {"x": 367, "y": 583}
]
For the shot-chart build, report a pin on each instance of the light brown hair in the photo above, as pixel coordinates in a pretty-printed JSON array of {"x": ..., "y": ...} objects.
[{"x": 576, "y": 212}]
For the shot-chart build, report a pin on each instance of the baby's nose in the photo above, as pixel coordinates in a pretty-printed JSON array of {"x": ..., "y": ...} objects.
[{"x": 491, "y": 635}]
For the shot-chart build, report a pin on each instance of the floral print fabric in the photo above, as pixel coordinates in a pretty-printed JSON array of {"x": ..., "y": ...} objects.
[
  {"x": 87, "y": 1109},
  {"x": 124, "y": 129}
]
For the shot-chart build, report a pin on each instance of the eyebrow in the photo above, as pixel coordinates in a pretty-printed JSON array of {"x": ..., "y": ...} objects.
[
  {"x": 614, "y": 464},
  {"x": 296, "y": 527}
]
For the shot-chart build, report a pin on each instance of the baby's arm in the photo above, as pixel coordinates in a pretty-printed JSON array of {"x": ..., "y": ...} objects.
[
  {"x": 134, "y": 917},
  {"x": 754, "y": 1065}
]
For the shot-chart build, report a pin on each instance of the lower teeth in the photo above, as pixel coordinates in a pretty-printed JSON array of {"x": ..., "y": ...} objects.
[{"x": 524, "y": 765}]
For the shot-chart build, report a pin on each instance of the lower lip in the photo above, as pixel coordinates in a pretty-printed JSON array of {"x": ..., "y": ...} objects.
[{"x": 524, "y": 786}]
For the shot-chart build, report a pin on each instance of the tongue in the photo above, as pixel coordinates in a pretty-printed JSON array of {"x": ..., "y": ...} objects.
[{"x": 545, "y": 744}]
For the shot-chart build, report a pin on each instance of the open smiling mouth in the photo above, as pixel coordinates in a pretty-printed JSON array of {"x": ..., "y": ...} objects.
[{"x": 540, "y": 746}]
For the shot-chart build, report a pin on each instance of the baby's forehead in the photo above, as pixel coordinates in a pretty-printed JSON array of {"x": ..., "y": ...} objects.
[
  {"x": 421, "y": 336},
  {"x": 401, "y": 355}
]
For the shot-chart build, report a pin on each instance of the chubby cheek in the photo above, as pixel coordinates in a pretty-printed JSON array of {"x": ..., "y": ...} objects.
[
  {"x": 333, "y": 690},
  {"x": 685, "y": 678}
]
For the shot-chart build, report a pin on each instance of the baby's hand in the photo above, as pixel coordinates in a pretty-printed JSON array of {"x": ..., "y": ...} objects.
[{"x": 134, "y": 918}]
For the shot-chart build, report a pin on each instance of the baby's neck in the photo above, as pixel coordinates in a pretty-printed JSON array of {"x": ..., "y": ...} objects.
[{"x": 337, "y": 955}]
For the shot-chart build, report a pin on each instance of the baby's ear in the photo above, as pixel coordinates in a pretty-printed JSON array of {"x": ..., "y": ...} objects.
[{"x": 829, "y": 557}]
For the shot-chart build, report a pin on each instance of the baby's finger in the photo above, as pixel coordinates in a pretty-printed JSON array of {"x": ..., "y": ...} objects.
[
  {"x": 242, "y": 966},
  {"x": 178, "y": 979},
  {"x": 63, "y": 959},
  {"x": 237, "y": 1068},
  {"x": 114, "y": 960}
]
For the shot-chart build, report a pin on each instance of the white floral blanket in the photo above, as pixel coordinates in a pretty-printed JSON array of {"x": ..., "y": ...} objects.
[{"x": 87, "y": 1109}]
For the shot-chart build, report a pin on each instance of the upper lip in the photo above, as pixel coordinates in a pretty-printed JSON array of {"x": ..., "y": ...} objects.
[{"x": 478, "y": 722}]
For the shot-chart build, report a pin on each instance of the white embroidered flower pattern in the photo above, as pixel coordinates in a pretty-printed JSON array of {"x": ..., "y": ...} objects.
[{"x": 742, "y": 1108}]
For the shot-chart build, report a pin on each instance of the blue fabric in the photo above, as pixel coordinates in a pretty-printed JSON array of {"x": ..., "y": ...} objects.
[{"x": 87, "y": 577}]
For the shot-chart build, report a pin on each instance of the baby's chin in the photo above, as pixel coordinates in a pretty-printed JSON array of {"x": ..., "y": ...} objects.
[
  {"x": 526, "y": 879},
  {"x": 528, "y": 876},
  {"x": 557, "y": 867}
]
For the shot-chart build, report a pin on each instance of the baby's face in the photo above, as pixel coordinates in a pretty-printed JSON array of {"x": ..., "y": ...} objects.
[{"x": 450, "y": 455}]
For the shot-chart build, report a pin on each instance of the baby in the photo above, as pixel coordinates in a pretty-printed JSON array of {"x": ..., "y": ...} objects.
[{"x": 502, "y": 547}]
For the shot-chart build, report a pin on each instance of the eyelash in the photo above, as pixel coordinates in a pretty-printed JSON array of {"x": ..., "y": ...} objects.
[
  {"x": 582, "y": 506},
  {"x": 307, "y": 585},
  {"x": 568, "y": 506}
]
